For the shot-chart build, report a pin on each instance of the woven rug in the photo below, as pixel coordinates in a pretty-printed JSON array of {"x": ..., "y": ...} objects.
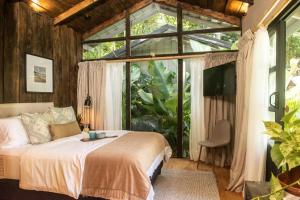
[{"x": 186, "y": 185}]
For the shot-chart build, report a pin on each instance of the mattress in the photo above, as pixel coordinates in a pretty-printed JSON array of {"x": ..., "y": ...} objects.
[{"x": 10, "y": 162}]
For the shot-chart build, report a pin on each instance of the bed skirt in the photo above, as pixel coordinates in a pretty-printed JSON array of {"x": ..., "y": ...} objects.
[{"x": 9, "y": 190}]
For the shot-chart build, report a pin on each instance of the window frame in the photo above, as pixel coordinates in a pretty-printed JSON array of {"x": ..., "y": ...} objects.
[
  {"x": 278, "y": 26},
  {"x": 179, "y": 34}
]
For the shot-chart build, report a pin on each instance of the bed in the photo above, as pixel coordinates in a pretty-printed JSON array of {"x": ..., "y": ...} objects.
[{"x": 16, "y": 162}]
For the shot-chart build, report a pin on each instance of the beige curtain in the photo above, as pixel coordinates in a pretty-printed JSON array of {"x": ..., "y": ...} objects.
[
  {"x": 255, "y": 164},
  {"x": 97, "y": 84},
  {"x": 218, "y": 108},
  {"x": 244, "y": 61},
  {"x": 114, "y": 84},
  {"x": 197, "y": 131}
]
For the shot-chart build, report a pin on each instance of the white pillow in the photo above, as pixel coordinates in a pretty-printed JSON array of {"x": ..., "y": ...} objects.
[{"x": 12, "y": 133}]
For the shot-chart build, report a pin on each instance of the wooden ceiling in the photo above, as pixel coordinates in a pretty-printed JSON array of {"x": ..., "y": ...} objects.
[{"x": 85, "y": 15}]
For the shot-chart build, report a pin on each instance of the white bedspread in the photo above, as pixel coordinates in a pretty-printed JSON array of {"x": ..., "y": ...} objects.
[{"x": 58, "y": 166}]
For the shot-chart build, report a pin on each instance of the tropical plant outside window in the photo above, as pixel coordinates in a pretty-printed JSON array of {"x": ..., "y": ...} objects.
[
  {"x": 151, "y": 18},
  {"x": 154, "y": 100}
]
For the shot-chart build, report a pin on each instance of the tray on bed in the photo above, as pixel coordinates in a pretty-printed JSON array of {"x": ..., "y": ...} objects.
[{"x": 90, "y": 140}]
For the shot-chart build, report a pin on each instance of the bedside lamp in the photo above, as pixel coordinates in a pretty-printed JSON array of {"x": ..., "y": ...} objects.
[
  {"x": 86, "y": 112},
  {"x": 87, "y": 104}
]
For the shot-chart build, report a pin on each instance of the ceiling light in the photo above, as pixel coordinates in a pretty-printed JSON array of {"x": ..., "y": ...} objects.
[
  {"x": 244, "y": 8},
  {"x": 36, "y": 6}
]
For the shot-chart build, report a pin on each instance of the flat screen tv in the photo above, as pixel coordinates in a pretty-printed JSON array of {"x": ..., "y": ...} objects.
[{"x": 220, "y": 80}]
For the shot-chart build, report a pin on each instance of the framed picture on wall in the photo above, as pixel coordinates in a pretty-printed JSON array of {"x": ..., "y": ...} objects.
[{"x": 39, "y": 74}]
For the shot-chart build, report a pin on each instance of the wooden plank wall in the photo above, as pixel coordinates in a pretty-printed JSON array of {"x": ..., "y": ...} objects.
[
  {"x": 29, "y": 32},
  {"x": 1, "y": 47}
]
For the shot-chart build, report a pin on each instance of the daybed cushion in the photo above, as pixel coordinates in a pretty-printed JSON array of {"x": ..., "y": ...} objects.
[
  {"x": 64, "y": 130},
  {"x": 63, "y": 115},
  {"x": 12, "y": 133},
  {"x": 36, "y": 127}
]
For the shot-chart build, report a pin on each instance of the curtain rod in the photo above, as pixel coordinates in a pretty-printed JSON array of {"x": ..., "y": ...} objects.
[
  {"x": 164, "y": 57},
  {"x": 155, "y": 58}
]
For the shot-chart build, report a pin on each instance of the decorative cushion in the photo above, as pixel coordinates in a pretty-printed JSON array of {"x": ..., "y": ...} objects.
[
  {"x": 64, "y": 130},
  {"x": 63, "y": 115},
  {"x": 37, "y": 128},
  {"x": 12, "y": 133},
  {"x": 47, "y": 116}
]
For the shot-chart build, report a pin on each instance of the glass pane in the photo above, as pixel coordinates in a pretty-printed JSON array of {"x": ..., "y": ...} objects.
[
  {"x": 104, "y": 50},
  {"x": 154, "y": 19},
  {"x": 292, "y": 94},
  {"x": 154, "y": 46},
  {"x": 273, "y": 50},
  {"x": 210, "y": 42},
  {"x": 124, "y": 99},
  {"x": 192, "y": 21},
  {"x": 186, "y": 107},
  {"x": 154, "y": 98},
  {"x": 113, "y": 31},
  {"x": 272, "y": 89}
]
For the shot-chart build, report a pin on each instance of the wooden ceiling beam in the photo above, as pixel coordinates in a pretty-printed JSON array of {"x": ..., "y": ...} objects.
[
  {"x": 202, "y": 11},
  {"x": 73, "y": 11},
  {"x": 116, "y": 18},
  {"x": 192, "y": 8}
]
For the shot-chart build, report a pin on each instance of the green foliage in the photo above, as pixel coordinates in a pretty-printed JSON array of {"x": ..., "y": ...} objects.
[
  {"x": 292, "y": 104},
  {"x": 153, "y": 23},
  {"x": 276, "y": 189},
  {"x": 102, "y": 49},
  {"x": 286, "y": 150},
  {"x": 231, "y": 37},
  {"x": 154, "y": 102},
  {"x": 293, "y": 47},
  {"x": 188, "y": 25}
]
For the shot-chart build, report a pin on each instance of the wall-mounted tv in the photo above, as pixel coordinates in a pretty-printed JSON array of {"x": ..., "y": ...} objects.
[{"x": 220, "y": 80}]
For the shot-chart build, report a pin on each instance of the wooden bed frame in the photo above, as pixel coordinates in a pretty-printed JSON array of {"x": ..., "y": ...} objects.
[{"x": 9, "y": 189}]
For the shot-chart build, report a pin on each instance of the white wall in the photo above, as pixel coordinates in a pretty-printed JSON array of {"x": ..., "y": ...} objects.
[{"x": 257, "y": 11}]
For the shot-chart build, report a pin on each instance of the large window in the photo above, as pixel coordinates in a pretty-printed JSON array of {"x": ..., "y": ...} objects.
[
  {"x": 156, "y": 94},
  {"x": 284, "y": 72},
  {"x": 292, "y": 79},
  {"x": 284, "y": 79},
  {"x": 154, "y": 31}
]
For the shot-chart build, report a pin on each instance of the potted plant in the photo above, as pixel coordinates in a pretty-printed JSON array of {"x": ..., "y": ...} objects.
[{"x": 285, "y": 154}]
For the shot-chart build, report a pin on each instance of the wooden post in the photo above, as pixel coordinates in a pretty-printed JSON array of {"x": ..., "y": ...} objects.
[
  {"x": 180, "y": 85},
  {"x": 128, "y": 75}
]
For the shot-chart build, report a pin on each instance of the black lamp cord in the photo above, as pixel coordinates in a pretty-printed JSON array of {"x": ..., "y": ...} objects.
[{"x": 88, "y": 80}]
